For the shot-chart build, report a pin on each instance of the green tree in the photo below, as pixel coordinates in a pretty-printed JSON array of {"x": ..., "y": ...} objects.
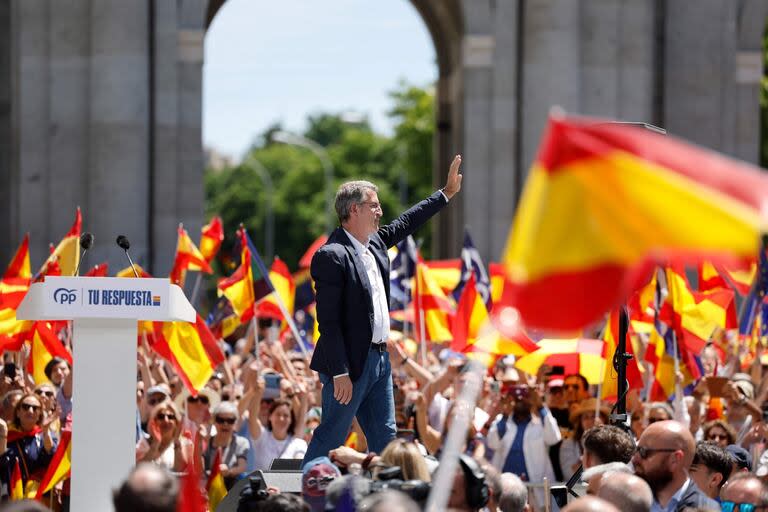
[{"x": 356, "y": 152}]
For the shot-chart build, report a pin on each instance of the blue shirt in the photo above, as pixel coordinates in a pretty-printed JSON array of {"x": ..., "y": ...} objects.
[{"x": 515, "y": 462}]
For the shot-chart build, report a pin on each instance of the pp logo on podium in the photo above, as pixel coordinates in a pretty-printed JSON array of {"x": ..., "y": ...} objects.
[{"x": 65, "y": 296}]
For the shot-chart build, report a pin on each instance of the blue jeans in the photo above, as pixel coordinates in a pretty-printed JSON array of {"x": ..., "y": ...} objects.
[{"x": 372, "y": 402}]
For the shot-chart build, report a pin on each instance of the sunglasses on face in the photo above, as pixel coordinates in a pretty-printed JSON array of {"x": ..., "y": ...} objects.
[
  {"x": 166, "y": 416},
  {"x": 228, "y": 421},
  {"x": 645, "y": 452},
  {"x": 30, "y": 407},
  {"x": 654, "y": 420},
  {"x": 320, "y": 483},
  {"x": 155, "y": 401},
  {"x": 40, "y": 392},
  {"x": 202, "y": 399},
  {"x": 572, "y": 386},
  {"x": 729, "y": 506},
  {"x": 717, "y": 437},
  {"x": 226, "y": 397}
]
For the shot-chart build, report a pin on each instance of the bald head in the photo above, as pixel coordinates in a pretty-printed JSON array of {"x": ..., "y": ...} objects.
[
  {"x": 590, "y": 504},
  {"x": 628, "y": 492},
  {"x": 672, "y": 434},
  {"x": 148, "y": 488}
]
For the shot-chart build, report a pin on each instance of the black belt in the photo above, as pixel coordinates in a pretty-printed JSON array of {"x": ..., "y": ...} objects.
[{"x": 379, "y": 347}]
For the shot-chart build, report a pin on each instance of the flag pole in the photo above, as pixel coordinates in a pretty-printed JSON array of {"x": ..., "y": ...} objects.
[
  {"x": 291, "y": 323},
  {"x": 196, "y": 289}
]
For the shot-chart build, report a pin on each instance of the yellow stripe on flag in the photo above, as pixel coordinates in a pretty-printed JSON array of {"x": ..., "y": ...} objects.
[{"x": 187, "y": 348}]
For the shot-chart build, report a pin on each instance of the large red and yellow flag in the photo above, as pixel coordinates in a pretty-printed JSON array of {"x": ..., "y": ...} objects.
[
  {"x": 188, "y": 257},
  {"x": 60, "y": 466},
  {"x": 431, "y": 307},
  {"x": 285, "y": 292},
  {"x": 603, "y": 199},
  {"x": 13, "y": 288},
  {"x": 211, "y": 237},
  {"x": 67, "y": 253}
]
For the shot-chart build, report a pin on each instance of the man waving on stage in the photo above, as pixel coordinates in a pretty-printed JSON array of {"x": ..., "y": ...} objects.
[{"x": 351, "y": 274}]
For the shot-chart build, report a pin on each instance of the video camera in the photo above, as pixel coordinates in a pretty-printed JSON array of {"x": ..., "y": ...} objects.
[
  {"x": 391, "y": 477},
  {"x": 253, "y": 493}
]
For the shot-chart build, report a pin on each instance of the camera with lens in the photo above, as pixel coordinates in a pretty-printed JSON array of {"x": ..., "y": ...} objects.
[
  {"x": 392, "y": 478},
  {"x": 253, "y": 494}
]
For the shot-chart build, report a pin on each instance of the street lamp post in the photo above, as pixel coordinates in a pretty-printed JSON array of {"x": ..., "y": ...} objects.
[
  {"x": 269, "y": 214},
  {"x": 319, "y": 151}
]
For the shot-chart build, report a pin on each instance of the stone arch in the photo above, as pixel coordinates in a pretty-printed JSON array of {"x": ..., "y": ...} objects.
[{"x": 444, "y": 21}]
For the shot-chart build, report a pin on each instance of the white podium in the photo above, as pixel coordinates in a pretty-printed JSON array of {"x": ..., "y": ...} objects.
[{"x": 105, "y": 311}]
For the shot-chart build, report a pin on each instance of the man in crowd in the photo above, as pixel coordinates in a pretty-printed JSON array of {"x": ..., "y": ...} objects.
[
  {"x": 351, "y": 275},
  {"x": 710, "y": 468},
  {"x": 604, "y": 444},
  {"x": 148, "y": 487},
  {"x": 628, "y": 492},
  {"x": 744, "y": 489},
  {"x": 514, "y": 494},
  {"x": 664, "y": 454},
  {"x": 522, "y": 437}
]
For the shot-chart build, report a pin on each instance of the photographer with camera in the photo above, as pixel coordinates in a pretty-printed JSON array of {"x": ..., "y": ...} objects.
[{"x": 521, "y": 436}]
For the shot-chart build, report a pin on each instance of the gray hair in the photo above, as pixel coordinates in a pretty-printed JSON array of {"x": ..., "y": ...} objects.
[
  {"x": 615, "y": 467},
  {"x": 349, "y": 193},
  {"x": 628, "y": 492},
  {"x": 514, "y": 493},
  {"x": 226, "y": 408}
]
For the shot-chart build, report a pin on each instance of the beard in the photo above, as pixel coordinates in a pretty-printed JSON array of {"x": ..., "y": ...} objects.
[{"x": 657, "y": 478}]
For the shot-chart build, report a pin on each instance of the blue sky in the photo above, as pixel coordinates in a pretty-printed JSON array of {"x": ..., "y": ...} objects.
[{"x": 280, "y": 61}]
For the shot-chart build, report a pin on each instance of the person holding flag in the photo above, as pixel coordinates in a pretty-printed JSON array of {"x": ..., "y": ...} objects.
[{"x": 351, "y": 274}]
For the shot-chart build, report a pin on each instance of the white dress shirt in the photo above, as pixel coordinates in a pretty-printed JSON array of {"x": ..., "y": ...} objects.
[{"x": 380, "y": 332}]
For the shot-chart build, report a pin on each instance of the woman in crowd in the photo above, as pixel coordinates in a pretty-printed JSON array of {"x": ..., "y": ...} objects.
[
  {"x": 719, "y": 432},
  {"x": 165, "y": 444},
  {"x": 276, "y": 439},
  {"x": 234, "y": 449},
  {"x": 408, "y": 458},
  {"x": 582, "y": 419},
  {"x": 29, "y": 440}
]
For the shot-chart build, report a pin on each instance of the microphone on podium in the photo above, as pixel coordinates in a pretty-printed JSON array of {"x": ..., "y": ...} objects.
[
  {"x": 124, "y": 244},
  {"x": 86, "y": 241}
]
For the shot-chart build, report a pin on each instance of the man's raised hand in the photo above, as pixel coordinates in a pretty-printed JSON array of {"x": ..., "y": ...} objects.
[{"x": 453, "y": 183}]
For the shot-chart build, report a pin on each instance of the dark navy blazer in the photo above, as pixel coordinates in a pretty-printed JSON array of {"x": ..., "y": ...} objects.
[{"x": 343, "y": 293}]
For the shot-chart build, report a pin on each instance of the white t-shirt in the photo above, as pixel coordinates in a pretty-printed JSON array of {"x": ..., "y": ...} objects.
[{"x": 266, "y": 448}]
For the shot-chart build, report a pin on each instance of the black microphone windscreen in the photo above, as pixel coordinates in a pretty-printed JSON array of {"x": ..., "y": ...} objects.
[
  {"x": 86, "y": 241},
  {"x": 123, "y": 242}
]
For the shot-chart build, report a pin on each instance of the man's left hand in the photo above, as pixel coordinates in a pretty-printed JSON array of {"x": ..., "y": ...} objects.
[{"x": 453, "y": 183}]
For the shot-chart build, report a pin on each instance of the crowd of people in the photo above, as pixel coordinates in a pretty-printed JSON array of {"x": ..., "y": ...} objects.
[{"x": 700, "y": 452}]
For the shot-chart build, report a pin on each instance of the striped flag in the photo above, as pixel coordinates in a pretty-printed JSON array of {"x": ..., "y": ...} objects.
[
  {"x": 188, "y": 257},
  {"x": 67, "y": 254},
  {"x": 60, "y": 466},
  {"x": 17, "y": 484},
  {"x": 211, "y": 237},
  {"x": 602, "y": 199},
  {"x": 431, "y": 308},
  {"x": 45, "y": 346},
  {"x": 215, "y": 486},
  {"x": 13, "y": 288}
]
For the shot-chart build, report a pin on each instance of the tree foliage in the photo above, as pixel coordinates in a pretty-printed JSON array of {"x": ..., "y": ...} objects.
[{"x": 401, "y": 166}]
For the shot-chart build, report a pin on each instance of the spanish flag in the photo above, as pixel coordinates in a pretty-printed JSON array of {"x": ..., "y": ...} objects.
[
  {"x": 216, "y": 488},
  {"x": 13, "y": 288},
  {"x": 17, "y": 485},
  {"x": 603, "y": 199},
  {"x": 188, "y": 257},
  {"x": 60, "y": 466},
  {"x": 67, "y": 253},
  {"x": 187, "y": 345},
  {"x": 100, "y": 270},
  {"x": 211, "y": 237},
  {"x": 44, "y": 347},
  {"x": 431, "y": 307},
  {"x": 273, "y": 304}
]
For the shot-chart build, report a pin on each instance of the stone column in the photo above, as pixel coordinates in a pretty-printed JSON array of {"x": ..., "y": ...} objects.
[{"x": 118, "y": 201}]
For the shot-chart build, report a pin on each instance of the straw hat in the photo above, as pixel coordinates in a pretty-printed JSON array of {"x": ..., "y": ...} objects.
[{"x": 588, "y": 405}]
